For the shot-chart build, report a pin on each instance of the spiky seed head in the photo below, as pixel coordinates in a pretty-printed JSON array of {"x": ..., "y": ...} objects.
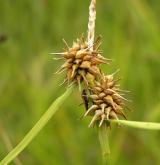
[
  {"x": 106, "y": 101},
  {"x": 81, "y": 63}
]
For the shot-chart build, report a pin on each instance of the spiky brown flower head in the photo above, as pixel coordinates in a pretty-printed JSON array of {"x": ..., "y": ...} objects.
[
  {"x": 107, "y": 101},
  {"x": 81, "y": 63}
]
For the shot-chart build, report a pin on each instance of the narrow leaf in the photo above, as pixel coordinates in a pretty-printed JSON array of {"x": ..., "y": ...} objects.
[
  {"x": 138, "y": 124},
  {"x": 37, "y": 127}
]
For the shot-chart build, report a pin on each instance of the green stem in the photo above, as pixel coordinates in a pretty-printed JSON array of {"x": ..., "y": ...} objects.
[
  {"x": 103, "y": 138},
  {"x": 138, "y": 124},
  {"x": 37, "y": 127}
]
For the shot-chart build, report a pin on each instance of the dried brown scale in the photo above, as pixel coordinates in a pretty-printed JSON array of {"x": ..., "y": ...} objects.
[
  {"x": 107, "y": 102},
  {"x": 81, "y": 63}
]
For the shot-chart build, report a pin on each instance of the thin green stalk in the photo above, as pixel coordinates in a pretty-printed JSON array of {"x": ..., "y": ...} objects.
[
  {"x": 138, "y": 124},
  {"x": 37, "y": 127},
  {"x": 104, "y": 142}
]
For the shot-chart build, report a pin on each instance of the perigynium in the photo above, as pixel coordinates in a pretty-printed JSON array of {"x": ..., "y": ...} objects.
[{"x": 103, "y": 98}]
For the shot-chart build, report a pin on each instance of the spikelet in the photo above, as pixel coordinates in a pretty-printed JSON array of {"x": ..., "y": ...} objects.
[
  {"x": 91, "y": 23},
  {"x": 107, "y": 102},
  {"x": 81, "y": 63}
]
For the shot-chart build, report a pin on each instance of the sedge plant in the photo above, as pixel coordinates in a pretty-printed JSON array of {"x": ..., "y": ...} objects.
[{"x": 103, "y": 99}]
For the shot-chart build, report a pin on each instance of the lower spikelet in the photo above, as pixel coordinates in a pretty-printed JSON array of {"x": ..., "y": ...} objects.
[
  {"x": 81, "y": 62},
  {"x": 107, "y": 102}
]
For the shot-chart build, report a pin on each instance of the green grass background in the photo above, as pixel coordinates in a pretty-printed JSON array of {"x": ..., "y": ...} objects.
[{"x": 34, "y": 28}]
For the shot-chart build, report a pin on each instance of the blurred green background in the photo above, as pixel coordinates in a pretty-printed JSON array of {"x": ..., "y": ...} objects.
[{"x": 29, "y": 31}]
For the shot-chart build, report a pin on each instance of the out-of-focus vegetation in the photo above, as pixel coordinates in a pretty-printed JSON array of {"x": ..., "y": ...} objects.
[{"x": 30, "y": 30}]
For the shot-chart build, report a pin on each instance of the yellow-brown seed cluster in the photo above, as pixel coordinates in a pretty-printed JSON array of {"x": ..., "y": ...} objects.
[
  {"x": 104, "y": 96},
  {"x": 107, "y": 102},
  {"x": 81, "y": 62}
]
